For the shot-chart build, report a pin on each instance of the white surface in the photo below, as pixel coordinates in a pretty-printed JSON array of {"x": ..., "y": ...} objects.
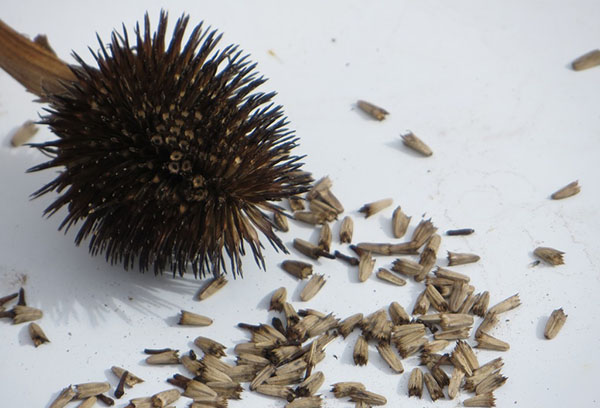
[{"x": 486, "y": 84}]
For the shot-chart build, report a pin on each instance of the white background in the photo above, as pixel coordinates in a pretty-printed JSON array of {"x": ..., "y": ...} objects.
[{"x": 486, "y": 84}]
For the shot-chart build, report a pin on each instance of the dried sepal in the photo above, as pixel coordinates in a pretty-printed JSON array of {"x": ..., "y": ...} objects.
[
  {"x": 365, "y": 267},
  {"x": 372, "y": 110},
  {"x": 485, "y": 341},
  {"x": 278, "y": 299},
  {"x": 415, "y": 383},
  {"x": 483, "y": 400},
  {"x": 455, "y": 258},
  {"x": 390, "y": 357},
  {"x": 388, "y": 276},
  {"x": 211, "y": 287},
  {"x": 313, "y": 287},
  {"x": 400, "y": 222},
  {"x": 193, "y": 319},
  {"x": 325, "y": 238},
  {"x": 37, "y": 334},
  {"x": 376, "y": 206},
  {"x": 549, "y": 255},
  {"x": 555, "y": 323},
  {"x": 435, "y": 391},
  {"x": 346, "y": 230},
  {"x": 567, "y": 191},
  {"x": 361, "y": 351},
  {"x": 416, "y": 144},
  {"x": 506, "y": 305}
]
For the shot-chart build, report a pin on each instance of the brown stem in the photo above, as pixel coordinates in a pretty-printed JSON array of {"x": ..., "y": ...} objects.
[{"x": 32, "y": 64}]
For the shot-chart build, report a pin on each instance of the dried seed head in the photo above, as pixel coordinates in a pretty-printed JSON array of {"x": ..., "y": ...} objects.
[
  {"x": 554, "y": 324},
  {"x": 299, "y": 269},
  {"x": 587, "y": 60},
  {"x": 37, "y": 334},
  {"x": 415, "y": 383},
  {"x": 23, "y": 134},
  {"x": 455, "y": 258},
  {"x": 193, "y": 319},
  {"x": 346, "y": 230},
  {"x": 278, "y": 299},
  {"x": 374, "y": 111},
  {"x": 400, "y": 223},
  {"x": 212, "y": 287},
  {"x": 166, "y": 155},
  {"x": 376, "y": 206},
  {"x": 549, "y": 255},
  {"x": 361, "y": 351},
  {"x": 313, "y": 287},
  {"x": 416, "y": 144}
]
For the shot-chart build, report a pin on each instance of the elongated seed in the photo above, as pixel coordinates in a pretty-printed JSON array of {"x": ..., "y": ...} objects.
[
  {"x": 400, "y": 223},
  {"x": 325, "y": 238},
  {"x": 361, "y": 351},
  {"x": 346, "y": 230},
  {"x": 587, "y": 60},
  {"x": 555, "y": 323},
  {"x": 193, "y": 319},
  {"x": 212, "y": 287},
  {"x": 37, "y": 334},
  {"x": 506, "y": 305},
  {"x": 455, "y": 258},
  {"x": 415, "y": 383},
  {"x": 416, "y": 144},
  {"x": 372, "y": 110},
  {"x": 567, "y": 191},
  {"x": 391, "y": 358},
  {"x": 549, "y": 255},
  {"x": 313, "y": 287},
  {"x": 388, "y": 276},
  {"x": 365, "y": 267},
  {"x": 278, "y": 299},
  {"x": 376, "y": 206}
]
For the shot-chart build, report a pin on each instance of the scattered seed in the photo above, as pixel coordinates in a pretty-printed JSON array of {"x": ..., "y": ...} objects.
[
  {"x": 485, "y": 341},
  {"x": 368, "y": 397},
  {"x": 106, "y": 400},
  {"x": 455, "y": 258},
  {"x": 310, "y": 217},
  {"x": 567, "y": 191},
  {"x": 278, "y": 299},
  {"x": 345, "y": 389},
  {"x": 461, "y": 231},
  {"x": 416, "y": 144},
  {"x": 555, "y": 323},
  {"x": 365, "y": 267},
  {"x": 388, "y": 276},
  {"x": 64, "y": 397},
  {"x": 374, "y": 207},
  {"x": 166, "y": 357},
  {"x": 391, "y": 358},
  {"x": 455, "y": 320},
  {"x": 164, "y": 398},
  {"x": 23, "y": 134},
  {"x": 325, "y": 238},
  {"x": 398, "y": 314},
  {"x": 209, "y": 346},
  {"x": 435, "y": 392},
  {"x": 86, "y": 390},
  {"x": 314, "y": 401},
  {"x": 588, "y": 60},
  {"x": 24, "y": 314},
  {"x": 347, "y": 325},
  {"x": 266, "y": 372},
  {"x": 296, "y": 203},
  {"x": 212, "y": 287},
  {"x": 549, "y": 255},
  {"x": 346, "y": 230},
  {"x": 280, "y": 221},
  {"x": 298, "y": 269},
  {"x": 37, "y": 334},
  {"x": 277, "y": 391},
  {"x": 193, "y": 319},
  {"x": 400, "y": 223},
  {"x": 120, "y": 389},
  {"x": 313, "y": 287},
  {"x": 88, "y": 402},
  {"x": 310, "y": 385},
  {"x": 481, "y": 303},
  {"x": 490, "y": 384},
  {"x": 415, "y": 383},
  {"x": 130, "y": 379},
  {"x": 435, "y": 346},
  {"x": 310, "y": 250},
  {"x": 361, "y": 351},
  {"x": 407, "y": 267},
  {"x": 422, "y": 304},
  {"x": 372, "y": 110},
  {"x": 436, "y": 299},
  {"x": 506, "y": 305},
  {"x": 455, "y": 381}
]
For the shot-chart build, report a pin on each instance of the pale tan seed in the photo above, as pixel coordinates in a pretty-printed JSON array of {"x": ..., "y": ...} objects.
[
  {"x": 229, "y": 390},
  {"x": 323, "y": 209},
  {"x": 422, "y": 304},
  {"x": 328, "y": 197},
  {"x": 310, "y": 217},
  {"x": 460, "y": 290},
  {"x": 455, "y": 258},
  {"x": 361, "y": 351},
  {"x": 398, "y": 314},
  {"x": 278, "y": 299},
  {"x": 489, "y": 321},
  {"x": 555, "y": 323},
  {"x": 567, "y": 191},
  {"x": 313, "y": 287},
  {"x": 307, "y": 248},
  {"x": 550, "y": 255},
  {"x": 293, "y": 377},
  {"x": 372, "y": 110},
  {"x": 407, "y": 267},
  {"x": 197, "y": 389},
  {"x": 298, "y": 269},
  {"x": 310, "y": 385},
  {"x": 209, "y": 402},
  {"x": 88, "y": 402},
  {"x": 24, "y": 314},
  {"x": 262, "y": 376},
  {"x": 405, "y": 248},
  {"x": 314, "y": 401},
  {"x": 130, "y": 380},
  {"x": 368, "y": 397},
  {"x": 291, "y": 316},
  {"x": 345, "y": 389},
  {"x": 435, "y": 392},
  {"x": 506, "y": 305},
  {"x": 90, "y": 389},
  {"x": 37, "y": 334},
  {"x": 422, "y": 233},
  {"x": 376, "y": 206},
  {"x": 455, "y": 320},
  {"x": 435, "y": 346},
  {"x": 296, "y": 203},
  {"x": 428, "y": 256},
  {"x": 481, "y": 303},
  {"x": 165, "y": 398},
  {"x": 587, "y": 60},
  {"x": 455, "y": 381},
  {"x": 490, "y": 384},
  {"x": 23, "y": 134},
  {"x": 277, "y": 391},
  {"x": 452, "y": 334},
  {"x": 416, "y": 144},
  {"x": 390, "y": 357},
  {"x": 64, "y": 397},
  {"x": 210, "y": 346},
  {"x": 400, "y": 223},
  {"x": 483, "y": 400},
  {"x": 485, "y": 341},
  {"x": 347, "y": 325},
  {"x": 194, "y": 319},
  {"x": 415, "y": 383},
  {"x": 280, "y": 221},
  {"x": 436, "y": 299},
  {"x": 365, "y": 267},
  {"x": 346, "y": 230},
  {"x": 322, "y": 184},
  {"x": 386, "y": 275},
  {"x": 166, "y": 357},
  {"x": 325, "y": 238},
  {"x": 212, "y": 287}
]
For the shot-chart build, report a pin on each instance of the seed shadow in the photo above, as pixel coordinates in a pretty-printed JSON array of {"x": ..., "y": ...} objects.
[{"x": 541, "y": 327}]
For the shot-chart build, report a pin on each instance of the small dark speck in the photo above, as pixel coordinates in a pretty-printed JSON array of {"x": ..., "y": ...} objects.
[
  {"x": 507, "y": 320},
  {"x": 347, "y": 64},
  {"x": 334, "y": 356},
  {"x": 130, "y": 298},
  {"x": 333, "y": 40},
  {"x": 70, "y": 334}
]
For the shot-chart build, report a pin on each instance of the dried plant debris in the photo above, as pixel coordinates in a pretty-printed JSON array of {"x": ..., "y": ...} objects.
[
  {"x": 400, "y": 223},
  {"x": 298, "y": 269},
  {"x": 192, "y": 319},
  {"x": 23, "y": 134},
  {"x": 64, "y": 397},
  {"x": 587, "y": 60},
  {"x": 37, "y": 334},
  {"x": 90, "y": 389},
  {"x": 461, "y": 231},
  {"x": 212, "y": 287},
  {"x": 22, "y": 314},
  {"x": 130, "y": 379},
  {"x": 455, "y": 382},
  {"x": 313, "y": 287},
  {"x": 346, "y": 230},
  {"x": 376, "y": 206},
  {"x": 455, "y": 258},
  {"x": 372, "y": 110},
  {"x": 346, "y": 258},
  {"x": 567, "y": 191},
  {"x": 549, "y": 255},
  {"x": 415, "y": 383},
  {"x": 416, "y": 144},
  {"x": 296, "y": 203},
  {"x": 555, "y": 323}
]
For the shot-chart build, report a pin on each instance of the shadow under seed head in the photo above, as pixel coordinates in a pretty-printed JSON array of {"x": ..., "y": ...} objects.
[{"x": 166, "y": 152}]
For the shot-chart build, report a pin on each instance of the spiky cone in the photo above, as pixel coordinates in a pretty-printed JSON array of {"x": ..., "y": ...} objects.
[
  {"x": 192, "y": 319},
  {"x": 554, "y": 324},
  {"x": 361, "y": 351},
  {"x": 570, "y": 189},
  {"x": 400, "y": 222},
  {"x": 410, "y": 140},
  {"x": 179, "y": 173},
  {"x": 130, "y": 380},
  {"x": 376, "y": 206},
  {"x": 210, "y": 346},
  {"x": 37, "y": 334},
  {"x": 456, "y": 258},
  {"x": 314, "y": 401},
  {"x": 549, "y": 255},
  {"x": 390, "y": 357},
  {"x": 483, "y": 400},
  {"x": 278, "y": 299},
  {"x": 372, "y": 110},
  {"x": 313, "y": 287},
  {"x": 415, "y": 383},
  {"x": 325, "y": 238}
]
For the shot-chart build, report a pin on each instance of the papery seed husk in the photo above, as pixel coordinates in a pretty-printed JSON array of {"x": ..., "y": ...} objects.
[
  {"x": 439, "y": 375},
  {"x": 432, "y": 358},
  {"x": 461, "y": 231},
  {"x": 480, "y": 306},
  {"x": 328, "y": 197},
  {"x": 467, "y": 305},
  {"x": 229, "y": 390},
  {"x": 455, "y": 320},
  {"x": 88, "y": 402},
  {"x": 167, "y": 357},
  {"x": 64, "y": 397},
  {"x": 416, "y": 144},
  {"x": 387, "y": 353},
  {"x": 266, "y": 372},
  {"x": 455, "y": 258},
  {"x": 452, "y": 334},
  {"x": 277, "y": 391},
  {"x": 293, "y": 377},
  {"x": 388, "y": 276},
  {"x": 555, "y": 323},
  {"x": 307, "y": 248},
  {"x": 405, "y": 248},
  {"x": 313, "y": 287},
  {"x": 567, "y": 191},
  {"x": 398, "y": 314},
  {"x": 325, "y": 238},
  {"x": 298, "y": 269},
  {"x": 23, "y": 134},
  {"x": 130, "y": 380},
  {"x": 435, "y": 392},
  {"x": 376, "y": 206},
  {"x": 430, "y": 319},
  {"x": 323, "y": 183},
  {"x": 457, "y": 296},
  {"x": 490, "y": 384},
  {"x": 415, "y": 383},
  {"x": 212, "y": 287},
  {"x": 211, "y": 360},
  {"x": 400, "y": 223},
  {"x": 428, "y": 257},
  {"x": 435, "y": 346},
  {"x": 282, "y": 353},
  {"x": 368, "y": 397},
  {"x": 290, "y": 314},
  {"x": 488, "y": 323},
  {"x": 422, "y": 304},
  {"x": 310, "y": 385},
  {"x": 314, "y": 401},
  {"x": 506, "y": 305},
  {"x": 310, "y": 217},
  {"x": 483, "y": 400},
  {"x": 424, "y": 230},
  {"x": 436, "y": 299},
  {"x": 194, "y": 319},
  {"x": 90, "y": 389},
  {"x": 37, "y": 334},
  {"x": 549, "y": 255},
  {"x": 372, "y": 110},
  {"x": 215, "y": 402},
  {"x": 347, "y": 388},
  {"x": 210, "y": 346},
  {"x": 198, "y": 389},
  {"x": 407, "y": 267},
  {"x": 346, "y": 230},
  {"x": 243, "y": 373},
  {"x": 296, "y": 203},
  {"x": 451, "y": 275},
  {"x": 361, "y": 351},
  {"x": 24, "y": 314},
  {"x": 280, "y": 221},
  {"x": 164, "y": 398},
  {"x": 455, "y": 381},
  {"x": 485, "y": 341},
  {"x": 365, "y": 267},
  {"x": 347, "y": 325},
  {"x": 278, "y": 299}
]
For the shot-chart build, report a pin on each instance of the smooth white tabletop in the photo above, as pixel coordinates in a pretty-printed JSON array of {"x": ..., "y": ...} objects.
[{"x": 486, "y": 84}]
